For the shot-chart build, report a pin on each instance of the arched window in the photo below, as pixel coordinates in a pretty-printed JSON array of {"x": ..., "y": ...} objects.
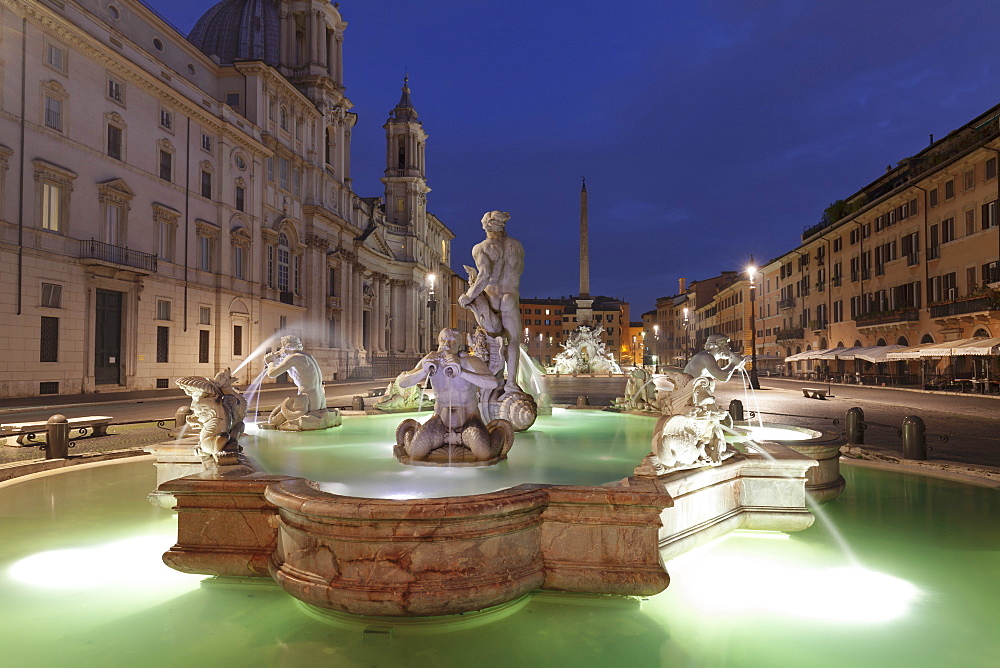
[
  {"x": 822, "y": 344},
  {"x": 981, "y": 333},
  {"x": 283, "y": 261},
  {"x": 857, "y": 343},
  {"x": 901, "y": 341},
  {"x": 283, "y": 118},
  {"x": 880, "y": 342},
  {"x": 926, "y": 338}
]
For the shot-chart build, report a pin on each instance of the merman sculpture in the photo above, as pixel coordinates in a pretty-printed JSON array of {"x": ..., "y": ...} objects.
[
  {"x": 494, "y": 299},
  {"x": 307, "y": 410},
  {"x": 690, "y": 434},
  {"x": 217, "y": 412},
  {"x": 456, "y": 434}
]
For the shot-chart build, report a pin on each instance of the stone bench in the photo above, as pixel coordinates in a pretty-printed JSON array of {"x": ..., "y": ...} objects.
[
  {"x": 24, "y": 431},
  {"x": 813, "y": 393}
]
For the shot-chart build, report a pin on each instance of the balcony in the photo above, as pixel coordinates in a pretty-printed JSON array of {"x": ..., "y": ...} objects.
[
  {"x": 790, "y": 334},
  {"x": 908, "y": 314},
  {"x": 98, "y": 250},
  {"x": 332, "y": 302},
  {"x": 286, "y": 297},
  {"x": 967, "y": 305},
  {"x": 817, "y": 325},
  {"x": 785, "y": 304}
]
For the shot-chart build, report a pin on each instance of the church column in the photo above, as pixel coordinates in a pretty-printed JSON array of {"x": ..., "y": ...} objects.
[
  {"x": 339, "y": 76},
  {"x": 412, "y": 318},
  {"x": 346, "y": 312},
  {"x": 313, "y": 285},
  {"x": 378, "y": 314},
  {"x": 357, "y": 306},
  {"x": 316, "y": 53},
  {"x": 396, "y": 314},
  {"x": 331, "y": 55}
]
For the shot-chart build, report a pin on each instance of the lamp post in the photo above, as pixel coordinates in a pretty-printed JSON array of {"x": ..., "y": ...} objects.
[
  {"x": 687, "y": 334},
  {"x": 754, "y": 381},
  {"x": 431, "y": 305}
]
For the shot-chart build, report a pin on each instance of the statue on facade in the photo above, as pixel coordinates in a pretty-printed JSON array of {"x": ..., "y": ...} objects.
[
  {"x": 217, "y": 412},
  {"x": 494, "y": 299},
  {"x": 456, "y": 434},
  {"x": 307, "y": 410},
  {"x": 690, "y": 432}
]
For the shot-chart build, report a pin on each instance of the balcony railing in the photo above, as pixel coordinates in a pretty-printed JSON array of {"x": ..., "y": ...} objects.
[
  {"x": 786, "y": 303},
  {"x": 909, "y": 314},
  {"x": 817, "y": 325},
  {"x": 286, "y": 297},
  {"x": 98, "y": 250},
  {"x": 959, "y": 307},
  {"x": 790, "y": 334}
]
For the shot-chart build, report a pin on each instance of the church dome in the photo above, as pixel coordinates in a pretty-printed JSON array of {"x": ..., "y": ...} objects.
[{"x": 239, "y": 30}]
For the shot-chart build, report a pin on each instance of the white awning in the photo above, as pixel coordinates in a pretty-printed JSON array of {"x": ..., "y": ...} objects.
[
  {"x": 868, "y": 353},
  {"x": 976, "y": 346},
  {"x": 980, "y": 346}
]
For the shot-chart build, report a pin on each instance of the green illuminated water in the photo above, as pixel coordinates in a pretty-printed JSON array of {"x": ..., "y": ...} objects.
[
  {"x": 83, "y": 585},
  {"x": 571, "y": 447}
]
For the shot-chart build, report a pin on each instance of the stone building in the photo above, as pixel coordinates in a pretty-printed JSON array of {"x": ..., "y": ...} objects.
[{"x": 169, "y": 203}]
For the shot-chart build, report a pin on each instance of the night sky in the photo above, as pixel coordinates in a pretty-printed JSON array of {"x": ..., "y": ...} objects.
[{"x": 708, "y": 131}]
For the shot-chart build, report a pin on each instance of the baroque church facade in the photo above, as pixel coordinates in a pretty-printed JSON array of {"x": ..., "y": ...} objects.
[{"x": 169, "y": 204}]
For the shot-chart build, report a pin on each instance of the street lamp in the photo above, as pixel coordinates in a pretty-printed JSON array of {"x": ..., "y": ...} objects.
[
  {"x": 751, "y": 272},
  {"x": 687, "y": 334},
  {"x": 431, "y": 304}
]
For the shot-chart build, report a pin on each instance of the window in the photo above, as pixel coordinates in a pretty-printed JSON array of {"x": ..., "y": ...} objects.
[
  {"x": 165, "y": 220},
  {"x": 910, "y": 246},
  {"x": 206, "y": 253},
  {"x": 241, "y": 194},
  {"x": 331, "y": 282},
  {"x": 116, "y": 91},
  {"x": 933, "y": 196},
  {"x": 203, "y": 342},
  {"x": 866, "y": 231},
  {"x": 283, "y": 119},
  {"x": 970, "y": 179},
  {"x": 111, "y": 234},
  {"x": 970, "y": 222},
  {"x": 283, "y": 262},
  {"x": 206, "y": 142},
  {"x": 934, "y": 247},
  {"x": 283, "y": 173},
  {"x": 270, "y": 170},
  {"x": 53, "y": 113},
  {"x": 166, "y": 165},
  {"x": 947, "y": 230},
  {"x": 162, "y": 344},
  {"x": 233, "y": 100},
  {"x": 837, "y": 244},
  {"x": 949, "y": 189},
  {"x": 206, "y": 184},
  {"x": 239, "y": 262},
  {"x": 989, "y": 218},
  {"x": 855, "y": 237},
  {"x": 162, "y": 309},
  {"x": 166, "y": 119},
  {"x": 838, "y": 311},
  {"x": 55, "y": 56},
  {"x": 115, "y": 142},
  {"x": 991, "y": 169},
  {"x": 52, "y": 207},
  {"x": 204, "y": 315},
  {"x": 237, "y": 340},
  {"x": 51, "y": 295},
  {"x": 270, "y": 266},
  {"x": 48, "y": 345}
]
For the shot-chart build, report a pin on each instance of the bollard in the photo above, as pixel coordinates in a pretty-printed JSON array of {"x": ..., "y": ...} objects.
[
  {"x": 57, "y": 437},
  {"x": 358, "y": 403},
  {"x": 855, "y": 426},
  {"x": 583, "y": 400},
  {"x": 736, "y": 410},
  {"x": 914, "y": 438},
  {"x": 180, "y": 417}
]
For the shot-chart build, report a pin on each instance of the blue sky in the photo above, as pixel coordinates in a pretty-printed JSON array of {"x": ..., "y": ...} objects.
[{"x": 707, "y": 130}]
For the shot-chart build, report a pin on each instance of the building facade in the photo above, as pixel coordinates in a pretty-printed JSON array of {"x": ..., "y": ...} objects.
[
  {"x": 168, "y": 205},
  {"x": 911, "y": 259}
]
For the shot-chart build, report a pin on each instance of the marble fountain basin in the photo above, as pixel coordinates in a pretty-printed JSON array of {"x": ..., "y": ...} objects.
[{"x": 335, "y": 545}]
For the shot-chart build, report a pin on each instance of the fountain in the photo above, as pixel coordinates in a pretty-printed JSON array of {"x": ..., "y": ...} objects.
[
  {"x": 307, "y": 410},
  {"x": 455, "y": 435},
  {"x": 584, "y": 352}
]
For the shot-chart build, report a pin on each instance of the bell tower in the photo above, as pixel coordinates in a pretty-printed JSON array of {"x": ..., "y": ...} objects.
[
  {"x": 312, "y": 40},
  {"x": 405, "y": 181}
]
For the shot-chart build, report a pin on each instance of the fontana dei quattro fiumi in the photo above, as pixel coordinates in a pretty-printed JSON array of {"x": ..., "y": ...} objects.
[{"x": 466, "y": 518}]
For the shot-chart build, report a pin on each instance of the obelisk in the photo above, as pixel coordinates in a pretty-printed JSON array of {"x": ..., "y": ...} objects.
[{"x": 584, "y": 312}]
